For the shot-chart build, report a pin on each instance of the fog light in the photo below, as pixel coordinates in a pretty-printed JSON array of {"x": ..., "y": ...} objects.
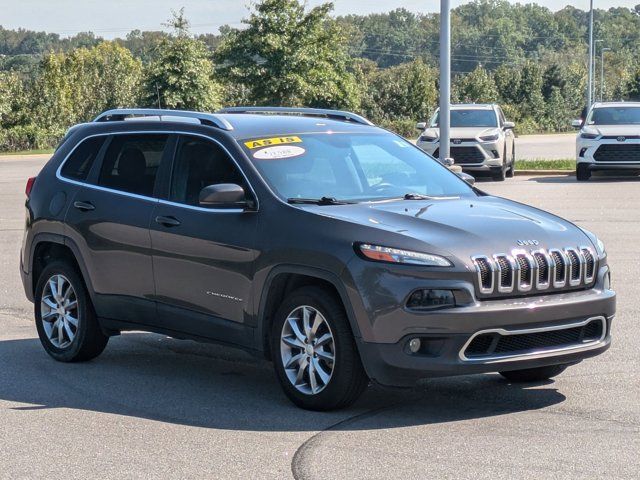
[
  {"x": 582, "y": 152},
  {"x": 495, "y": 154},
  {"x": 428, "y": 299},
  {"x": 414, "y": 345}
]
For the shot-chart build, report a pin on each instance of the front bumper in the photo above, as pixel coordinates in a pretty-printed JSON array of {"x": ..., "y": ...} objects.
[
  {"x": 586, "y": 154},
  {"x": 445, "y": 335},
  {"x": 472, "y": 156}
]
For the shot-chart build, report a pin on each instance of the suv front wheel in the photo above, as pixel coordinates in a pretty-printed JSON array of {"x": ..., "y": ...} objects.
[
  {"x": 314, "y": 353},
  {"x": 66, "y": 324}
]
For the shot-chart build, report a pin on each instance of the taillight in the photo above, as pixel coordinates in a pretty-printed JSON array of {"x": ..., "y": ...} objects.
[{"x": 29, "y": 187}]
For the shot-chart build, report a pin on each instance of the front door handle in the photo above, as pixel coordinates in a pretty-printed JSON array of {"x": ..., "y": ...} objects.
[
  {"x": 84, "y": 206},
  {"x": 168, "y": 221}
]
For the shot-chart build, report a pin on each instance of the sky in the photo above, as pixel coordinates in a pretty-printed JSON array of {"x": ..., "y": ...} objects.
[{"x": 115, "y": 18}]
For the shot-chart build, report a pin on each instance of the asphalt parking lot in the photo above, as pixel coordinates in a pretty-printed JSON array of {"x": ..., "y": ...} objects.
[{"x": 154, "y": 407}]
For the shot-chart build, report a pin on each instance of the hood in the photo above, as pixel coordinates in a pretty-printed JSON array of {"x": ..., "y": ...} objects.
[
  {"x": 612, "y": 130},
  {"x": 461, "y": 227},
  {"x": 463, "y": 132}
]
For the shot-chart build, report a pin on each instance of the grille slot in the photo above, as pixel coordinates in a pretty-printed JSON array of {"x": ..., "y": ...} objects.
[
  {"x": 559, "y": 279},
  {"x": 618, "y": 153},
  {"x": 526, "y": 268},
  {"x": 485, "y": 273},
  {"x": 575, "y": 266},
  {"x": 544, "y": 269},
  {"x": 589, "y": 264},
  {"x": 506, "y": 270},
  {"x": 498, "y": 344}
]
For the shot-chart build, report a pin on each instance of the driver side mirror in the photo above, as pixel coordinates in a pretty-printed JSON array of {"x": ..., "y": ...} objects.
[
  {"x": 576, "y": 123},
  {"x": 509, "y": 125},
  {"x": 421, "y": 126},
  {"x": 224, "y": 195},
  {"x": 467, "y": 178}
]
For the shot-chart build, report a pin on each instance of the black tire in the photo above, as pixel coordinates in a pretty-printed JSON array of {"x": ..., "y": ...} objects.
[
  {"x": 348, "y": 379},
  {"x": 582, "y": 172},
  {"x": 89, "y": 341},
  {"x": 500, "y": 175},
  {"x": 512, "y": 166},
  {"x": 534, "y": 374}
]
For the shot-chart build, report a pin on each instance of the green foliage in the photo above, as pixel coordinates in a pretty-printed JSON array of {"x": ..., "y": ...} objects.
[
  {"x": 289, "y": 56},
  {"x": 181, "y": 75},
  {"x": 476, "y": 87}
]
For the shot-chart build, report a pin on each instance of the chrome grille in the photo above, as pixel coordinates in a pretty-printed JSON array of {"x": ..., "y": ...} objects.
[{"x": 522, "y": 271}]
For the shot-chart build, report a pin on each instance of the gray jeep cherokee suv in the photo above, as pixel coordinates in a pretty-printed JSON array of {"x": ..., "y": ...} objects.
[{"x": 336, "y": 249}]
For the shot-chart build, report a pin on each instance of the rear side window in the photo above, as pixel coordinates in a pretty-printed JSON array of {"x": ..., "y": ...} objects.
[
  {"x": 80, "y": 161},
  {"x": 131, "y": 163}
]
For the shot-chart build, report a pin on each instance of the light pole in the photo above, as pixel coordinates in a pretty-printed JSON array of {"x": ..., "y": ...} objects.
[
  {"x": 604, "y": 49},
  {"x": 445, "y": 79},
  {"x": 590, "y": 78}
]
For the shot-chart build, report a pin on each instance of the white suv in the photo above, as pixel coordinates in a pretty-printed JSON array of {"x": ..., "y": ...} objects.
[
  {"x": 481, "y": 139},
  {"x": 609, "y": 139}
]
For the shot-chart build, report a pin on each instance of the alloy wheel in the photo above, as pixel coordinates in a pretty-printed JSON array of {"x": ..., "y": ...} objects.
[
  {"x": 307, "y": 350},
  {"x": 59, "y": 311}
]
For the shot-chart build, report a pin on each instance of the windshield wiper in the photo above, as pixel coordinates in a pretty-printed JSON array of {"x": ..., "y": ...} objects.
[
  {"x": 417, "y": 196},
  {"x": 318, "y": 201}
]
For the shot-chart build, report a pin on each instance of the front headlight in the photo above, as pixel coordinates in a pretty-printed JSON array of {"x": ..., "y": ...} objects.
[
  {"x": 596, "y": 241},
  {"x": 490, "y": 138},
  {"x": 395, "y": 255},
  {"x": 589, "y": 136}
]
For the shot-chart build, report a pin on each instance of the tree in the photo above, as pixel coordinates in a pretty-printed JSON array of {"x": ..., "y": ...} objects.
[
  {"x": 475, "y": 87},
  {"x": 181, "y": 75},
  {"x": 289, "y": 56}
]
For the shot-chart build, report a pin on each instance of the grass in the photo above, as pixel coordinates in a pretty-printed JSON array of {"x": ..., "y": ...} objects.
[
  {"x": 42, "y": 151},
  {"x": 541, "y": 164}
]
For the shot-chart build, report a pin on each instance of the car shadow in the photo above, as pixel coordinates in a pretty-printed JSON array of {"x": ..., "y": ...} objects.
[
  {"x": 158, "y": 378},
  {"x": 560, "y": 179}
]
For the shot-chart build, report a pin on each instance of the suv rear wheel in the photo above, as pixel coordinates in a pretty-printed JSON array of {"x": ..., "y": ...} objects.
[
  {"x": 314, "y": 353},
  {"x": 66, "y": 324},
  {"x": 534, "y": 374}
]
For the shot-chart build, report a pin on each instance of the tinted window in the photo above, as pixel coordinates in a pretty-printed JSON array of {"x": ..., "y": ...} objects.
[
  {"x": 615, "y": 116},
  {"x": 200, "y": 163},
  {"x": 79, "y": 163},
  {"x": 131, "y": 163},
  {"x": 353, "y": 167},
  {"x": 469, "y": 118}
]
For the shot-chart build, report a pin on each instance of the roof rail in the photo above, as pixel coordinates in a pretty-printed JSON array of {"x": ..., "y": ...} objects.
[
  {"x": 305, "y": 112},
  {"x": 119, "y": 114}
]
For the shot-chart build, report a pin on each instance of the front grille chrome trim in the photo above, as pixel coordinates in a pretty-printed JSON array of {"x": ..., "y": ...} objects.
[
  {"x": 540, "y": 353},
  {"x": 533, "y": 270},
  {"x": 559, "y": 283},
  {"x": 513, "y": 270},
  {"x": 544, "y": 284},
  {"x": 492, "y": 275},
  {"x": 572, "y": 266},
  {"x": 588, "y": 279}
]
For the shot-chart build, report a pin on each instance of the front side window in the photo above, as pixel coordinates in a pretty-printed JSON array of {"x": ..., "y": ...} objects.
[
  {"x": 350, "y": 167},
  {"x": 614, "y": 116},
  {"x": 81, "y": 159},
  {"x": 469, "y": 117},
  {"x": 200, "y": 163},
  {"x": 131, "y": 163}
]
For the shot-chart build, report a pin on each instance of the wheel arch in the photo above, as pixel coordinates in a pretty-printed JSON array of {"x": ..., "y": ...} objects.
[
  {"x": 48, "y": 247},
  {"x": 283, "y": 280}
]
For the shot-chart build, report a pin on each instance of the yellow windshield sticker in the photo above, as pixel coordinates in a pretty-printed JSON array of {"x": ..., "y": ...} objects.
[{"x": 267, "y": 142}]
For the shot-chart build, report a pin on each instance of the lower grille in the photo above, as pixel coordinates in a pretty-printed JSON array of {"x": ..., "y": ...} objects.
[
  {"x": 502, "y": 343},
  {"x": 462, "y": 155},
  {"x": 618, "y": 153}
]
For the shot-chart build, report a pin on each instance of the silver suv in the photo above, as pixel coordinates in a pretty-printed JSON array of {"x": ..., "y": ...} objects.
[{"x": 482, "y": 141}]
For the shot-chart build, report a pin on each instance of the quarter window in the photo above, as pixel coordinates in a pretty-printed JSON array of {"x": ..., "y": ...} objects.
[
  {"x": 131, "y": 163},
  {"x": 80, "y": 161},
  {"x": 200, "y": 163}
]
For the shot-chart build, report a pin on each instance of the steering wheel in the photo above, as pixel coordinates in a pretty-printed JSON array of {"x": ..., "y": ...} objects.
[{"x": 382, "y": 186}]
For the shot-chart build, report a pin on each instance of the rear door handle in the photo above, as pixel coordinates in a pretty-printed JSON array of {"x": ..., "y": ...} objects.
[
  {"x": 84, "y": 206},
  {"x": 168, "y": 221}
]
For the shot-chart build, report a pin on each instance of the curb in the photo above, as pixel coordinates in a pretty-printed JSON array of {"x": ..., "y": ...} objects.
[{"x": 545, "y": 172}]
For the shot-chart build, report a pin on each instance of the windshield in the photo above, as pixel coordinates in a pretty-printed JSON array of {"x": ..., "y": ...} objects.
[
  {"x": 469, "y": 118},
  {"x": 614, "y": 116},
  {"x": 350, "y": 167}
]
